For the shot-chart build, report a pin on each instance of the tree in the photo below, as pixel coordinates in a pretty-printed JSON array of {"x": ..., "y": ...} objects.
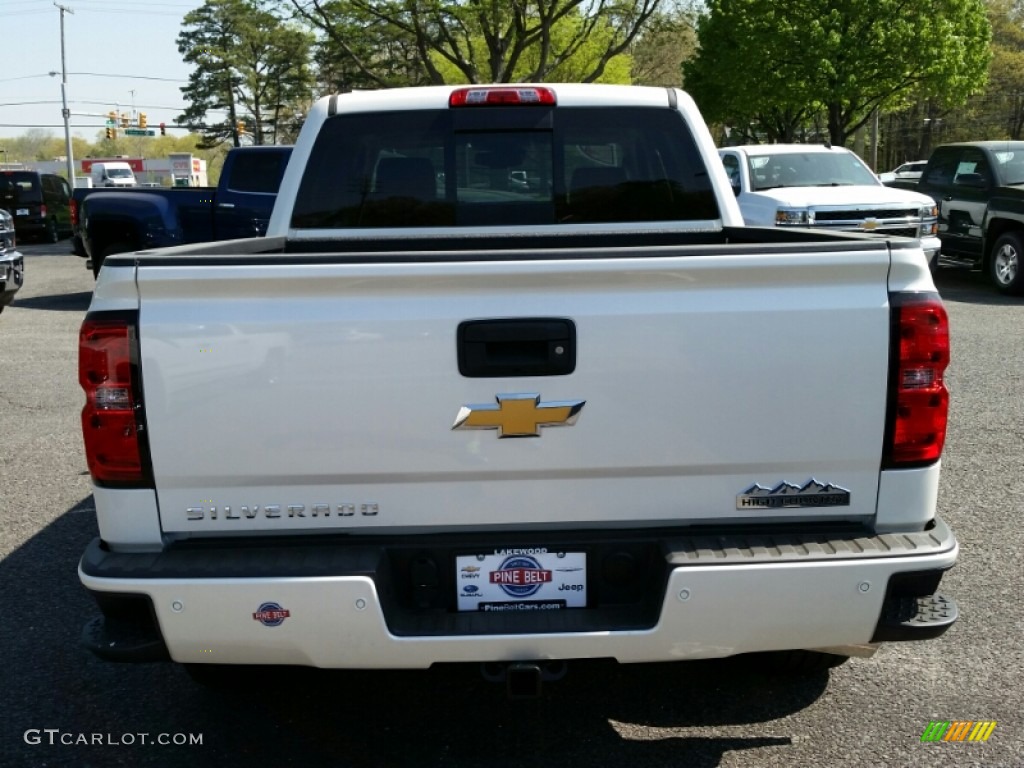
[
  {"x": 30, "y": 146},
  {"x": 1002, "y": 105},
  {"x": 668, "y": 39},
  {"x": 573, "y": 69},
  {"x": 781, "y": 62},
  {"x": 358, "y": 50},
  {"x": 249, "y": 64},
  {"x": 496, "y": 41},
  {"x": 996, "y": 112}
]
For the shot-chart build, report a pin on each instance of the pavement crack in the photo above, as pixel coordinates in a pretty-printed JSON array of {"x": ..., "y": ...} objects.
[{"x": 23, "y": 406}]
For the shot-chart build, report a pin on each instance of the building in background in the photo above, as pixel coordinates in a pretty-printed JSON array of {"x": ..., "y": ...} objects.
[{"x": 179, "y": 169}]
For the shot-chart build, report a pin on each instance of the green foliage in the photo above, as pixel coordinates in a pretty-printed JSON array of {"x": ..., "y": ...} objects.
[
  {"x": 475, "y": 42},
  {"x": 781, "y": 63},
  {"x": 575, "y": 68},
  {"x": 359, "y": 50},
  {"x": 1001, "y": 109},
  {"x": 249, "y": 65},
  {"x": 29, "y": 147},
  {"x": 668, "y": 39}
]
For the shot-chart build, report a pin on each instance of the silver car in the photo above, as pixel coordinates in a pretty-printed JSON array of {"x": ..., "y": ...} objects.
[{"x": 12, "y": 263}]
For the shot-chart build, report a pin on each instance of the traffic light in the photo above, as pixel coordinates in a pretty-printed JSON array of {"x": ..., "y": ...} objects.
[
  {"x": 163, "y": 129},
  {"x": 241, "y": 127},
  {"x": 142, "y": 119},
  {"x": 125, "y": 120},
  {"x": 112, "y": 117},
  {"x": 111, "y": 133}
]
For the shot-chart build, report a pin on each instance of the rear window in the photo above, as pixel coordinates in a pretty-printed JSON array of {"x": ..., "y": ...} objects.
[
  {"x": 20, "y": 187},
  {"x": 1010, "y": 161},
  {"x": 943, "y": 167},
  {"x": 503, "y": 166},
  {"x": 257, "y": 172}
]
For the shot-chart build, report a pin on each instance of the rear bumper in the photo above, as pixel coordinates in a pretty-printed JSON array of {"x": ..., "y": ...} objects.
[
  {"x": 30, "y": 227},
  {"x": 346, "y": 606}
]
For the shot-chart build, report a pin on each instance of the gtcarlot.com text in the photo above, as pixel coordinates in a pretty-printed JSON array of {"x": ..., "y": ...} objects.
[{"x": 56, "y": 737}]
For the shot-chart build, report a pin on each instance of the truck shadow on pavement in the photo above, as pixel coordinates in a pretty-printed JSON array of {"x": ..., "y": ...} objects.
[
  {"x": 58, "y": 302},
  {"x": 970, "y": 287},
  {"x": 600, "y": 714}
]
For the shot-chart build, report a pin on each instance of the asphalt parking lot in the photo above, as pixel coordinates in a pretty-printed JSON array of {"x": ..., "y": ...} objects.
[{"x": 56, "y": 699}]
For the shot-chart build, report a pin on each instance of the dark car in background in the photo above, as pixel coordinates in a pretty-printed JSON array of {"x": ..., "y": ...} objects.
[
  {"x": 115, "y": 220},
  {"x": 978, "y": 187},
  {"x": 12, "y": 264},
  {"x": 39, "y": 202}
]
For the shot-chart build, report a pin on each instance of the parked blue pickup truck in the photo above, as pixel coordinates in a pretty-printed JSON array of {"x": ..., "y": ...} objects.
[{"x": 116, "y": 220}]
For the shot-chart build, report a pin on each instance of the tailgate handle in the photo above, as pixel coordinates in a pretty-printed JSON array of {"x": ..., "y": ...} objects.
[{"x": 535, "y": 346}]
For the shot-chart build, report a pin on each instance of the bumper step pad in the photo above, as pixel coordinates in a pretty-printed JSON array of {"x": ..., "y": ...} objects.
[{"x": 915, "y": 618}]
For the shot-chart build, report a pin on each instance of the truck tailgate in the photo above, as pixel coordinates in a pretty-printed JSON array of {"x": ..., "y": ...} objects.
[{"x": 322, "y": 395}]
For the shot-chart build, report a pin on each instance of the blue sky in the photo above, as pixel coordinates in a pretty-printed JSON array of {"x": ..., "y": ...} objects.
[{"x": 124, "y": 45}]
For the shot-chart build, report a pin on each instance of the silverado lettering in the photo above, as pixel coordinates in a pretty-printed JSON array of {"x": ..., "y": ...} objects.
[{"x": 275, "y": 511}]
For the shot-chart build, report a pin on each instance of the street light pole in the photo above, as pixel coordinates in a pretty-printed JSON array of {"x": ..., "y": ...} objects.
[{"x": 64, "y": 98}]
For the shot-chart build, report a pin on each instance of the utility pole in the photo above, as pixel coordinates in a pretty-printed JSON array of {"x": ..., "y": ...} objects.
[
  {"x": 64, "y": 97},
  {"x": 874, "y": 141}
]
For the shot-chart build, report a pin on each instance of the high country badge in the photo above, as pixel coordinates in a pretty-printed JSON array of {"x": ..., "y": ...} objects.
[{"x": 788, "y": 496}]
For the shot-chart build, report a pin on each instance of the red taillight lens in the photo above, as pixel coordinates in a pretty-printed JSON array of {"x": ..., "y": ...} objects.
[
  {"x": 42, "y": 211},
  {"x": 501, "y": 96},
  {"x": 73, "y": 205},
  {"x": 919, "y": 400},
  {"x": 109, "y": 418}
]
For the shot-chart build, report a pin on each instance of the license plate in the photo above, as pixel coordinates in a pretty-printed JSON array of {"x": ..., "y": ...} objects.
[
  {"x": 21, "y": 212},
  {"x": 521, "y": 580}
]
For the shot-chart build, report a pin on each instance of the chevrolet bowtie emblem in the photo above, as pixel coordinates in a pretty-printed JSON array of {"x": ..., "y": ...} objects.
[{"x": 519, "y": 415}]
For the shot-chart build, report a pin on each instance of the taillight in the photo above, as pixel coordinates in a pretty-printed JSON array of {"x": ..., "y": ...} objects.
[
  {"x": 501, "y": 96},
  {"x": 918, "y": 399},
  {"x": 42, "y": 211},
  {"x": 111, "y": 418},
  {"x": 74, "y": 212}
]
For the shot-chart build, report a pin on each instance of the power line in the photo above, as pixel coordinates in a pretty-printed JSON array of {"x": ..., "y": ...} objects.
[
  {"x": 106, "y": 102},
  {"x": 167, "y": 126},
  {"x": 130, "y": 77},
  {"x": 23, "y": 77},
  {"x": 97, "y": 74},
  {"x": 131, "y": 11}
]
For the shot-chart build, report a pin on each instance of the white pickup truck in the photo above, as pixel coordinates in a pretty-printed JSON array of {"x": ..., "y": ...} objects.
[
  {"x": 826, "y": 187},
  {"x": 509, "y": 382}
]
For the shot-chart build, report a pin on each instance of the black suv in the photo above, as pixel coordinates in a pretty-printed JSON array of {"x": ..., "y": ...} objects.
[{"x": 39, "y": 202}]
